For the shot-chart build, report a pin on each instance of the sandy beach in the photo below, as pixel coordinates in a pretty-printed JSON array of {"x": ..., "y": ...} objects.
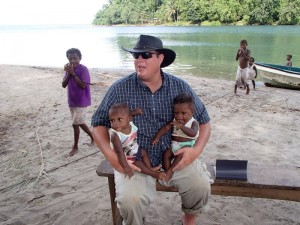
[{"x": 41, "y": 184}]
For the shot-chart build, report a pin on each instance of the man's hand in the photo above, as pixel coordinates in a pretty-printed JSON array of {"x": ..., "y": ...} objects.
[
  {"x": 128, "y": 171},
  {"x": 188, "y": 156},
  {"x": 134, "y": 167}
]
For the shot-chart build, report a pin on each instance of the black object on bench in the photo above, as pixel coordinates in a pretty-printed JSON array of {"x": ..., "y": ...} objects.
[
  {"x": 231, "y": 169},
  {"x": 273, "y": 182}
]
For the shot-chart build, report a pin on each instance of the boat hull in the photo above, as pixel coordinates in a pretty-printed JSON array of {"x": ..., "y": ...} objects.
[{"x": 279, "y": 78}]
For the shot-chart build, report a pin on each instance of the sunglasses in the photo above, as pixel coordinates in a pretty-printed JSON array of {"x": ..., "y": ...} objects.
[{"x": 145, "y": 55}]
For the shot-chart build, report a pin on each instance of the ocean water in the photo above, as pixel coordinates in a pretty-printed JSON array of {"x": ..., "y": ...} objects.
[{"x": 201, "y": 51}]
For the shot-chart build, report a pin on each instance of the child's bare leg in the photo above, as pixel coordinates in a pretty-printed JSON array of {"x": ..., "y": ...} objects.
[
  {"x": 235, "y": 88},
  {"x": 146, "y": 170},
  {"x": 147, "y": 162},
  {"x": 247, "y": 89},
  {"x": 87, "y": 130},
  {"x": 169, "y": 172},
  {"x": 253, "y": 82},
  {"x": 167, "y": 158},
  {"x": 76, "y": 139}
]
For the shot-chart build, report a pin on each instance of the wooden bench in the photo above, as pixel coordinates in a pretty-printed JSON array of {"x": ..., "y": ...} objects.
[{"x": 281, "y": 183}]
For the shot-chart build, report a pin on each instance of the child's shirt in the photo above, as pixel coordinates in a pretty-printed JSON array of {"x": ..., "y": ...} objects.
[
  {"x": 179, "y": 133},
  {"x": 77, "y": 96},
  {"x": 128, "y": 141}
]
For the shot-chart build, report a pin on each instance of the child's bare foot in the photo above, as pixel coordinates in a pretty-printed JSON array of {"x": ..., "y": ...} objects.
[
  {"x": 169, "y": 175},
  {"x": 188, "y": 219},
  {"x": 91, "y": 144},
  {"x": 74, "y": 151},
  {"x": 156, "y": 168}
]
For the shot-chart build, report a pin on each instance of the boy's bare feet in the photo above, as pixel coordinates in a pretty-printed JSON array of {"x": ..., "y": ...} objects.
[
  {"x": 74, "y": 151},
  {"x": 91, "y": 144},
  {"x": 188, "y": 219}
]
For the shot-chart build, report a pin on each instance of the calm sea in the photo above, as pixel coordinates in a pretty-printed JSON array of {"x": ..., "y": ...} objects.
[{"x": 201, "y": 51}]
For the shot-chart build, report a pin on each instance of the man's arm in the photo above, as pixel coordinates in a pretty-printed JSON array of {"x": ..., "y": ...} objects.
[
  {"x": 101, "y": 138},
  {"x": 189, "y": 154}
]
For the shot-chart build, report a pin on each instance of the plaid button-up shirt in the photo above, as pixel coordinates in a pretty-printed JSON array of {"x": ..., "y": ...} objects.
[{"x": 157, "y": 109}]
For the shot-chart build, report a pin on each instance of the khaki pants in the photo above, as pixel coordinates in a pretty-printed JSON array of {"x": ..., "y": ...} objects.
[{"x": 134, "y": 195}]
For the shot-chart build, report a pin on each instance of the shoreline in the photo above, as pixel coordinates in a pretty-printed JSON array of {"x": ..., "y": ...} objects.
[{"x": 46, "y": 186}]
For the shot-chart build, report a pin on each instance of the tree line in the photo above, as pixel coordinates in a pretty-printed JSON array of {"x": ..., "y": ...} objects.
[{"x": 246, "y": 12}]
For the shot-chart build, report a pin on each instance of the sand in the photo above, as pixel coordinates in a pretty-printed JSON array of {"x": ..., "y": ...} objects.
[{"x": 41, "y": 184}]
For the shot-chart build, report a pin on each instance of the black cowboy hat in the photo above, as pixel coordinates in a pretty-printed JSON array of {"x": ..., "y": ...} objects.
[{"x": 147, "y": 43}]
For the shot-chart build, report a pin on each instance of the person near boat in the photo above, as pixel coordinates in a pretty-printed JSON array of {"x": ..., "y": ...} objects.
[
  {"x": 243, "y": 56},
  {"x": 252, "y": 72}
]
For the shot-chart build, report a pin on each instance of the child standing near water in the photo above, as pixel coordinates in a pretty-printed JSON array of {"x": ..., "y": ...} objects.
[
  {"x": 289, "y": 60},
  {"x": 252, "y": 71},
  {"x": 243, "y": 56},
  {"x": 77, "y": 79}
]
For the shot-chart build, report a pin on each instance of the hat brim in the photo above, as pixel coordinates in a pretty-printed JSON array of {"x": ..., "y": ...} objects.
[{"x": 169, "y": 55}]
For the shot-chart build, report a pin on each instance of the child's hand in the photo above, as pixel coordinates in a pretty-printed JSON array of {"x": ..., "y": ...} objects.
[
  {"x": 241, "y": 51},
  {"x": 128, "y": 172},
  {"x": 69, "y": 68},
  {"x": 137, "y": 111},
  {"x": 66, "y": 67},
  {"x": 154, "y": 141},
  {"x": 177, "y": 124}
]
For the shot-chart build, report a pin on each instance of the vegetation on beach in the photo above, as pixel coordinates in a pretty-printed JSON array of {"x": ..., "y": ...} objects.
[{"x": 199, "y": 12}]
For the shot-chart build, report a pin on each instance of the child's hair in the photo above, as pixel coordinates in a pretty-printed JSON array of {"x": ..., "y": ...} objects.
[
  {"x": 73, "y": 50},
  {"x": 251, "y": 58},
  {"x": 183, "y": 98},
  {"x": 244, "y": 42},
  {"x": 289, "y": 55},
  {"x": 120, "y": 106}
]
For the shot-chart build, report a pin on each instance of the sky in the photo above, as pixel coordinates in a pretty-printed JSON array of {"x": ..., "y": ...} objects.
[{"x": 39, "y": 12}]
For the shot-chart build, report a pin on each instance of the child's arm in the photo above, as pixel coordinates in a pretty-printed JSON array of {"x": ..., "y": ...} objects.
[
  {"x": 117, "y": 146},
  {"x": 161, "y": 132},
  {"x": 69, "y": 68},
  {"x": 254, "y": 67},
  {"x": 137, "y": 111},
  {"x": 66, "y": 77},
  {"x": 191, "y": 132},
  {"x": 237, "y": 54}
]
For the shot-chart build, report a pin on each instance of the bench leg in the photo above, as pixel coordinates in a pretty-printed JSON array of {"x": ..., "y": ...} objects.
[{"x": 117, "y": 219}]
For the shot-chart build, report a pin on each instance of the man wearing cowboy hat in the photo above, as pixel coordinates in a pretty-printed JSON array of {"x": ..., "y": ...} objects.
[{"x": 153, "y": 90}]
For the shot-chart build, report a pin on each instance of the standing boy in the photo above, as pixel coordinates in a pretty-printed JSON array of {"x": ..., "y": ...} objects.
[
  {"x": 243, "y": 56},
  {"x": 77, "y": 78}
]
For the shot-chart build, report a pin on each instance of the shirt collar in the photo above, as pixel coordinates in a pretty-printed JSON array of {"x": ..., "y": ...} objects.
[{"x": 140, "y": 82}]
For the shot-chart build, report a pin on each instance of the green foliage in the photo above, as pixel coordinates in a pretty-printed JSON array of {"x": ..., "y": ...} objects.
[
  {"x": 289, "y": 12},
  {"x": 212, "y": 12}
]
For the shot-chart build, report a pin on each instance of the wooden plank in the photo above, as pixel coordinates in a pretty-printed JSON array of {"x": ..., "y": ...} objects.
[
  {"x": 263, "y": 182},
  {"x": 270, "y": 182}
]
